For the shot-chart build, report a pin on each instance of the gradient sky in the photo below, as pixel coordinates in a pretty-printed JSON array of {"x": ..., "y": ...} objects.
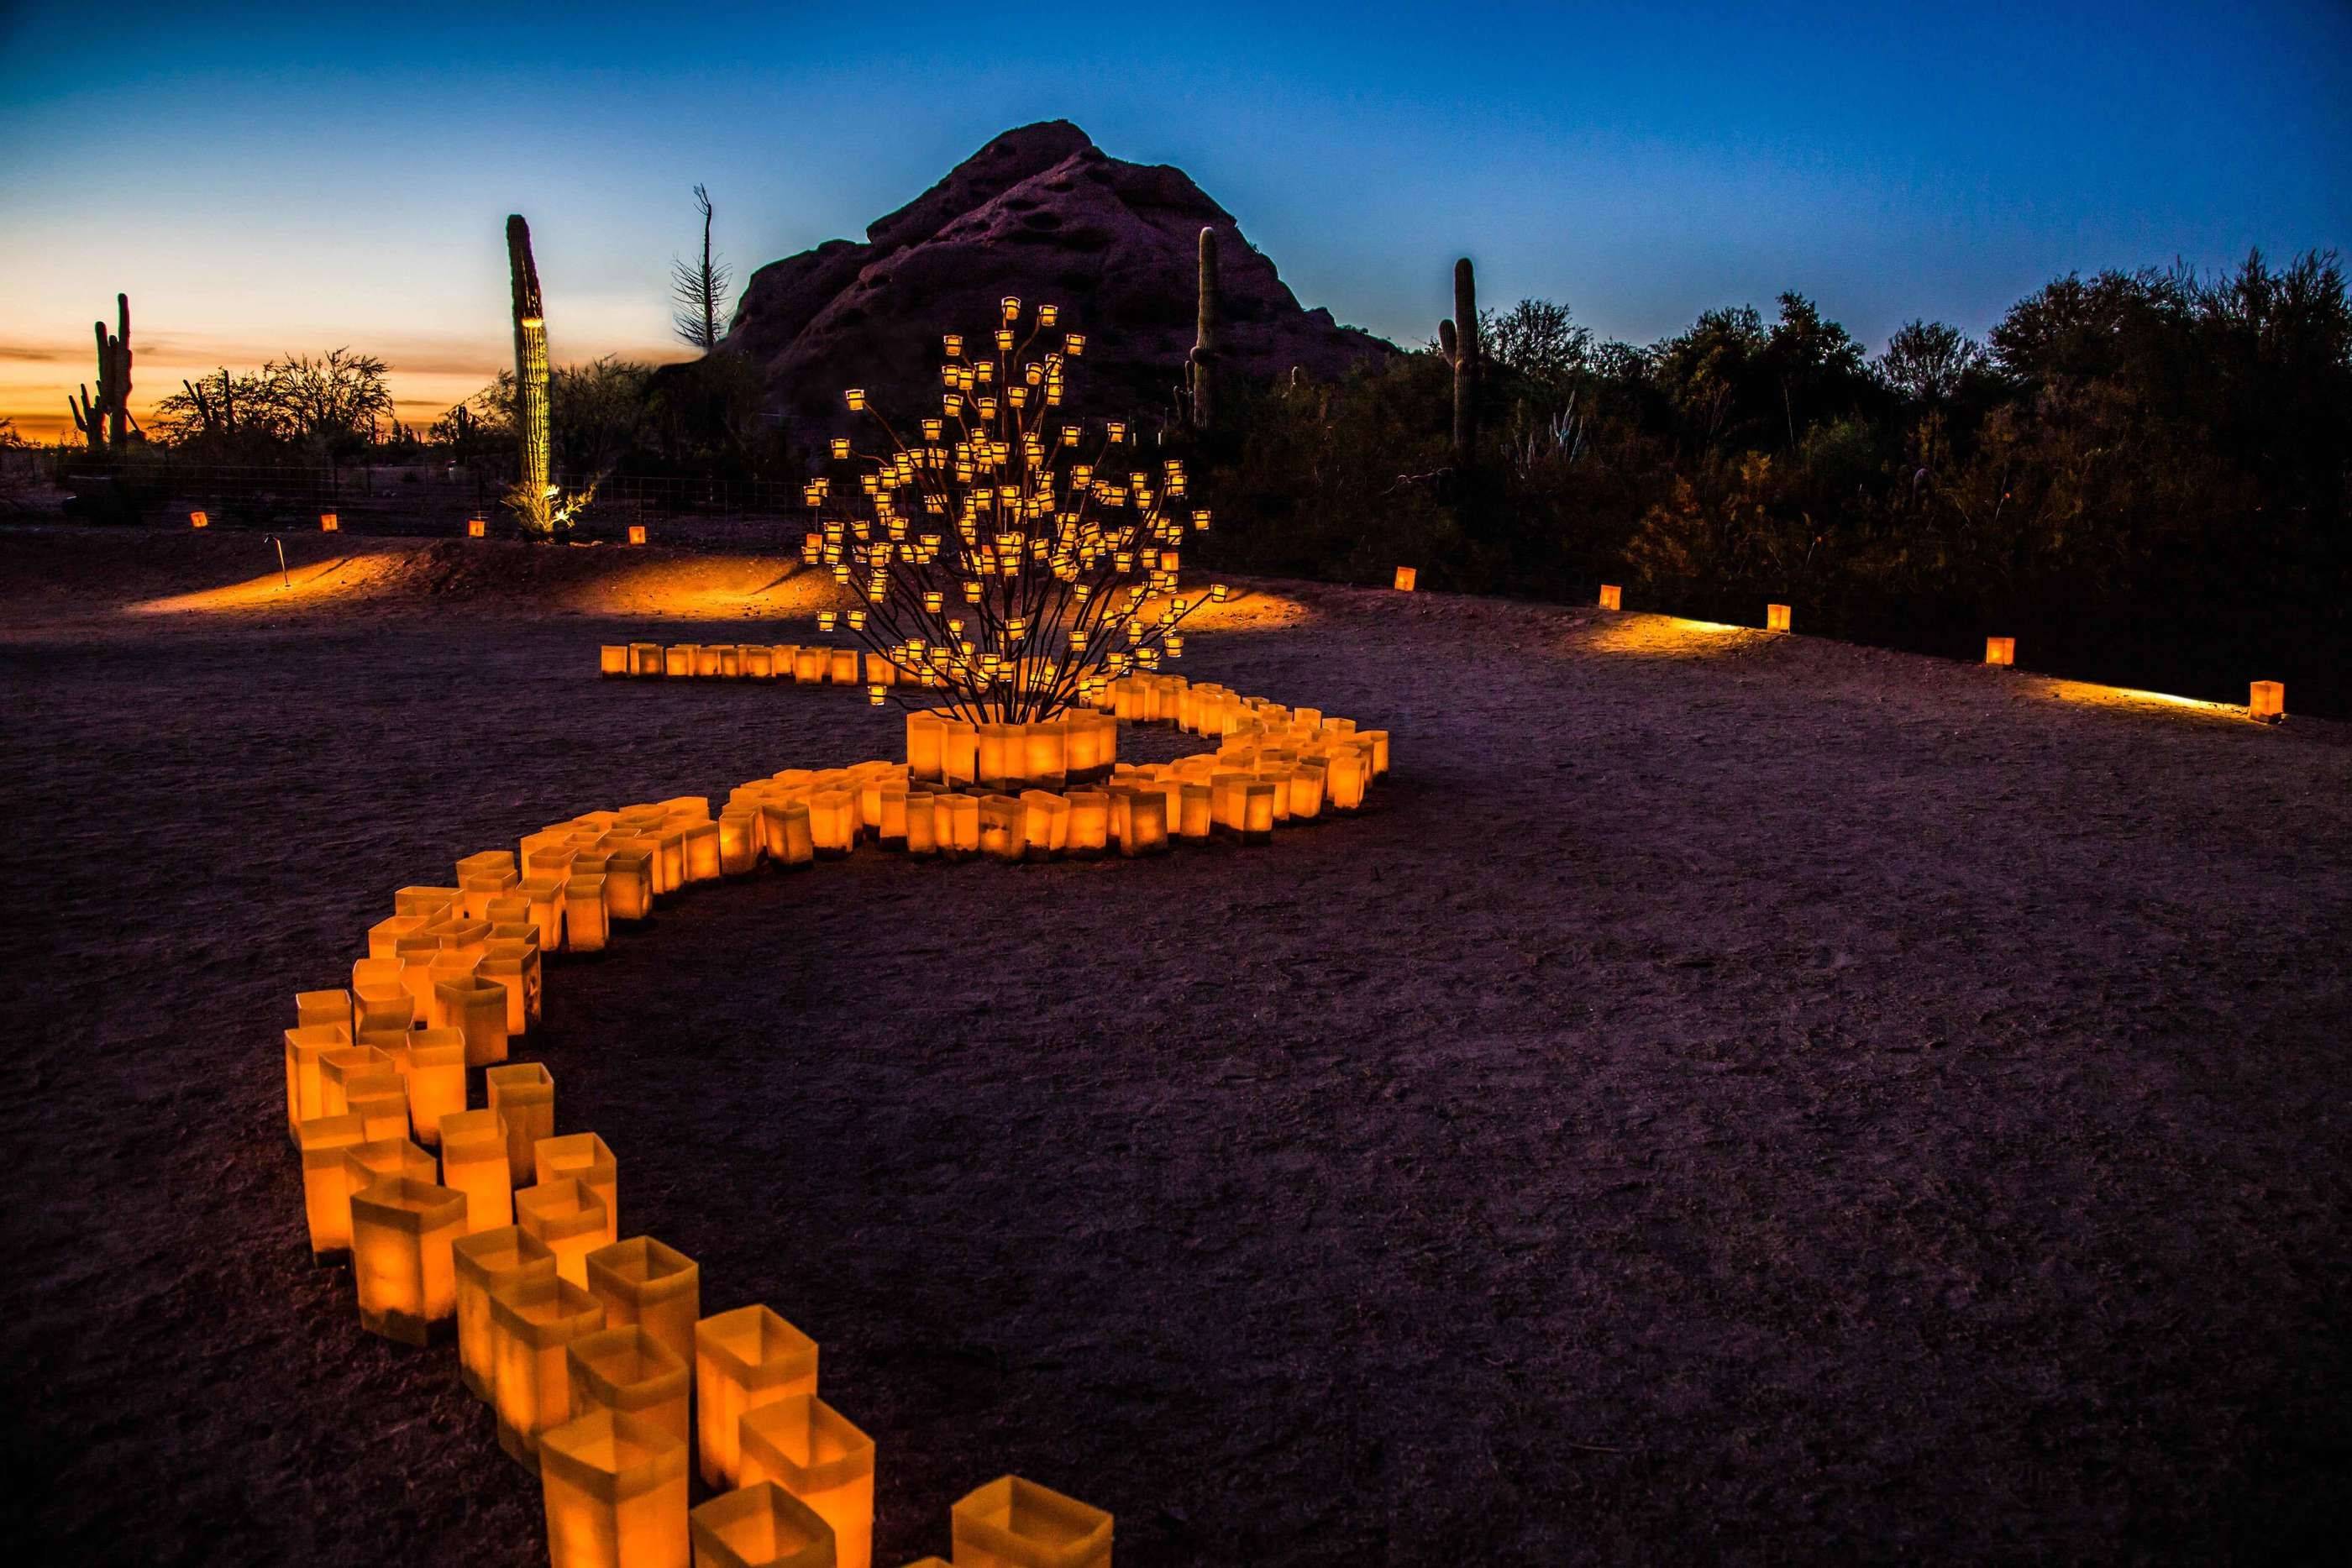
[{"x": 266, "y": 178}]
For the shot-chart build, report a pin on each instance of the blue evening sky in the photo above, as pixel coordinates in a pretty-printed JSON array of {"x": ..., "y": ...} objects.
[{"x": 263, "y": 178}]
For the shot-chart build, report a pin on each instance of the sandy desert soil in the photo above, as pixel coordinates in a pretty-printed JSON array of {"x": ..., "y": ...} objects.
[{"x": 1732, "y": 1098}]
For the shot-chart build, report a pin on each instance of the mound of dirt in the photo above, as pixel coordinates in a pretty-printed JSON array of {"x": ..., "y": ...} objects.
[{"x": 70, "y": 578}]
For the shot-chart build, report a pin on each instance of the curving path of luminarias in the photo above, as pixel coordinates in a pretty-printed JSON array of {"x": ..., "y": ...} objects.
[{"x": 483, "y": 1224}]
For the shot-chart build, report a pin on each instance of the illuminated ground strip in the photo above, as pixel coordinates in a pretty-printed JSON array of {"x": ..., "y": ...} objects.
[{"x": 585, "y": 1345}]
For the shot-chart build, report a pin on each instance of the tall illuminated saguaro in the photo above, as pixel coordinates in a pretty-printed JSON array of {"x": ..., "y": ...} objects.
[{"x": 531, "y": 436}]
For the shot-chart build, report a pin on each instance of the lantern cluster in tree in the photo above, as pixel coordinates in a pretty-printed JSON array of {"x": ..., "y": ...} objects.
[{"x": 1012, "y": 556}]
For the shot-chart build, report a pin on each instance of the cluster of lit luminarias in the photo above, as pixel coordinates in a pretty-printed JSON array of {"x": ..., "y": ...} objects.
[
  {"x": 2266, "y": 700},
  {"x": 590, "y": 1348},
  {"x": 1042, "y": 789}
]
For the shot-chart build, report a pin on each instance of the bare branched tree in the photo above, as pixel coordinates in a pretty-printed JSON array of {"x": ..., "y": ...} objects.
[{"x": 700, "y": 289}]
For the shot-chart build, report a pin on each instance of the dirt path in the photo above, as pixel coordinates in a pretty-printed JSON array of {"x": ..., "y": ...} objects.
[{"x": 1732, "y": 1097}]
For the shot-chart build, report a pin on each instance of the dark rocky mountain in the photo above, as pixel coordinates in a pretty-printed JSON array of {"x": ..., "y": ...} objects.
[{"x": 1044, "y": 213}]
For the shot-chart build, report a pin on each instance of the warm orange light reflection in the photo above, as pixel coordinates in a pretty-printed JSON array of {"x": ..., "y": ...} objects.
[
  {"x": 709, "y": 588},
  {"x": 1244, "y": 609},
  {"x": 1667, "y": 637},
  {"x": 2123, "y": 696},
  {"x": 349, "y": 576}
]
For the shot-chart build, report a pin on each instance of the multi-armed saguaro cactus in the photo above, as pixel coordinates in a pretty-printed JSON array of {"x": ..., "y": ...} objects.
[
  {"x": 105, "y": 420},
  {"x": 1200, "y": 366},
  {"x": 1458, "y": 340},
  {"x": 534, "y": 496}
]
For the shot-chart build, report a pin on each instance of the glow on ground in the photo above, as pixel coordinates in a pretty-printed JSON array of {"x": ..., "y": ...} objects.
[
  {"x": 1247, "y": 610},
  {"x": 1668, "y": 636},
  {"x": 712, "y": 588},
  {"x": 724, "y": 587},
  {"x": 2125, "y": 698},
  {"x": 318, "y": 583}
]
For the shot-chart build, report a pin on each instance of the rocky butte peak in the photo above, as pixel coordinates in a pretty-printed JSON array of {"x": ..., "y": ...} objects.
[{"x": 1043, "y": 214}]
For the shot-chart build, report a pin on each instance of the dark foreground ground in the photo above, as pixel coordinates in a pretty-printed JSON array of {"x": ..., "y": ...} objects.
[{"x": 1732, "y": 1098}]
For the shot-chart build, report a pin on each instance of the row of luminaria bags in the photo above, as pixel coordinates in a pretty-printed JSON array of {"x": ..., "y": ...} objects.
[
  {"x": 1020, "y": 792},
  {"x": 484, "y": 1224}
]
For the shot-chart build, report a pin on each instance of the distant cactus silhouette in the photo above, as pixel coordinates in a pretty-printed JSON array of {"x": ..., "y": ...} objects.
[
  {"x": 104, "y": 420},
  {"x": 1200, "y": 366},
  {"x": 1458, "y": 340}
]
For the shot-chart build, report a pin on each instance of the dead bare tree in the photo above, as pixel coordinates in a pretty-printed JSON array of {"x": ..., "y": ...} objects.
[{"x": 701, "y": 290}]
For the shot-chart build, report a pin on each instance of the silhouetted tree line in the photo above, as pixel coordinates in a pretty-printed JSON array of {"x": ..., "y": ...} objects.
[
  {"x": 704, "y": 419},
  {"x": 2142, "y": 476},
  {"x": 334, "y": 407}
]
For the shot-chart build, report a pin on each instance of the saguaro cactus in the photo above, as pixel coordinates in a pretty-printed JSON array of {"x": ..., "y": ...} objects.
[
  {"x": 1458, "y": 339},
  {"x": 1201, "y": 365},
  {"x": 105, "y": 420},
  {"x": 534, "y": 495}
]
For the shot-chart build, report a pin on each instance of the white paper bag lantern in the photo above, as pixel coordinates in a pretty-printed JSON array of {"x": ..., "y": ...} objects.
[
  {"x": 585, "y": 1157},
  {"x": 658, "y": 1288},
  {"x": 569, "y": 1218},
  {"x": 743, "y": 1359},
  {"x": 402, "y": 1232},
  {"x": 474, "y": 1162},
  {"x": 523, "y": 1096},
  {"x": 480, "y": 1263}
]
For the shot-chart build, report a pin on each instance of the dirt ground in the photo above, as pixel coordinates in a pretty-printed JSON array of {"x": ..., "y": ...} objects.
[{"x": 1730, "y": 1098}]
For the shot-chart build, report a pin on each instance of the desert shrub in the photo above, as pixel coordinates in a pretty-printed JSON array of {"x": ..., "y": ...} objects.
[
  {"x": 332, "y": 407},
  {"x": 2155, "y": 461}
]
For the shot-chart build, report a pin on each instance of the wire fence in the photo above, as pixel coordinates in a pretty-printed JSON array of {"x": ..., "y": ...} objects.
[{"x": 416, "y": 498}]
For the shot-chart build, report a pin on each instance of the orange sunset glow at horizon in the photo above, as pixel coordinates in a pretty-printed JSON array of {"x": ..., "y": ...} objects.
[{"x": 428, "y": 375}]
